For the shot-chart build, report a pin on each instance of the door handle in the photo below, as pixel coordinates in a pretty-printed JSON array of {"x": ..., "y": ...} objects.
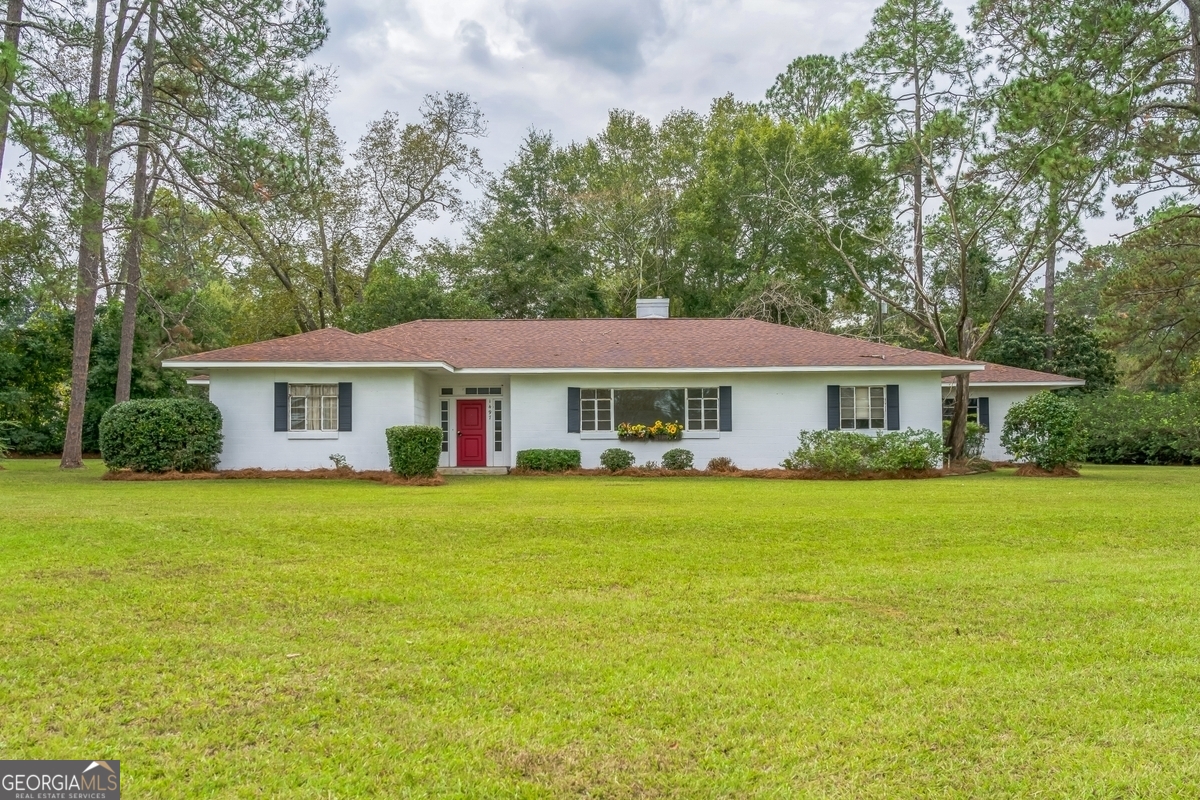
[{"x": 459, "y": 433}]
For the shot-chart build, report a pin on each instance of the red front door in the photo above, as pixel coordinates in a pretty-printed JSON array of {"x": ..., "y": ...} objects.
[{"x": 472, "y": 433}]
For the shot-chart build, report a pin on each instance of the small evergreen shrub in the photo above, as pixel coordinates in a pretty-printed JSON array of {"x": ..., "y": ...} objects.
[
  {"x": 721, "y": 464},
  {"x": 615, "y": 459},
  {"x": 976, "y": 438},
  {"x": 1044, "y": 430},
  {"x": 548, "y": 460},
  {"x": 181, "y": 434},
  {"x": 677, "y": 458},
  {"x": 414, "y": 450},
  {"x": 851, "y": 453}
]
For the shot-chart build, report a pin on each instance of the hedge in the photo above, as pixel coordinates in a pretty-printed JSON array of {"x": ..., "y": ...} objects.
[
  {"x": 161, "y": 435},
  {"x": 548, "y": 460},
  {"x": 414, "y": 450},
  {"x": 851, "y": 453},
  {"x": 1124, "y": 427}
]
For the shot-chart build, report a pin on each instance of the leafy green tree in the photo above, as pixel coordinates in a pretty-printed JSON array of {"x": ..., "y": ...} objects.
[
  {"x": 811, "y": 87},
  {"x": 392, "y": 297},
  {"x": 1066, "y": 100},
  {"x": 1149, "y": 289},
  {"x": 525, "y": 254},
  {"x": 916, "y": 60},
  {"x": 1074, "y": 349}
]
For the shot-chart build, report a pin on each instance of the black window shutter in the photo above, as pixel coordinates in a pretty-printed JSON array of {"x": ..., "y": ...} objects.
[
  {"x": 573, "y": 409},
  {"x": 835, "y": 407},
  {"x": 345, "y": 406},
  {"x": 984, "y": 419},
  {"x": 281, "y": 406},
  {"x": 725, "y": 408},
  {"x": 893, "y": 407}
]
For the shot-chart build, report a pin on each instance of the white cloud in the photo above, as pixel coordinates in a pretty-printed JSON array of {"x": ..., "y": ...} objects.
[{"x": 561, "y": 65}]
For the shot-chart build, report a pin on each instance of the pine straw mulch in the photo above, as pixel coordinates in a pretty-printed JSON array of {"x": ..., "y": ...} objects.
[
  {"x": 1034, "y": 471},
  {"x": 377, "y": 475},
  {"x": 770, "y": 474}
]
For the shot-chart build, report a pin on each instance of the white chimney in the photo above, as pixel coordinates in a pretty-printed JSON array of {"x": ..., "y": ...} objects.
[{"x": 658, "y": 308}]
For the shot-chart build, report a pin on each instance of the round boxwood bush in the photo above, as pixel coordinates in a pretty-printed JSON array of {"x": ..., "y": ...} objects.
[
  {"x": 677, "y": 458},
  {"x": 414, "y": 450},
  {"x": 615, "y": 459},
  {"x": 1044, "y": 430},
  {"x": 181, "y": 434}
]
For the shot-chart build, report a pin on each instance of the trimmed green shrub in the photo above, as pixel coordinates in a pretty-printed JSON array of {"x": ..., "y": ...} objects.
[
  {"x": 1124, "y": 427},
  {"x": 159, "y": 435},
  {"x": 907, "y": 449},
  {"x": 615, "y": 459},
  {"x": 976, "y": 436},
  {"x": 1044, "y": 429},
  {"x": 678, "y": 458},
  {"x": 850, "y": 453},
  {"x": 548, "y": 460},
  {"x": 414, "y": 450}
]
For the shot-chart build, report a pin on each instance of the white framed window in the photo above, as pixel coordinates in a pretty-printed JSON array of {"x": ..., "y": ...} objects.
[
  {"x": 702, "y": 409},
  {"x": 972, "y": 409},
  {"x": 595, "y": 408},
  {"x": 498, "y": 432},
  {"x": 312, "y": 406},
  {"x": 445, "y": 426},
  {"x": 862, "y": 407}
]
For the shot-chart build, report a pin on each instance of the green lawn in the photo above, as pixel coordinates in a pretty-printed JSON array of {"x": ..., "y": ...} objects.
[{"x": 531, "y": 637}]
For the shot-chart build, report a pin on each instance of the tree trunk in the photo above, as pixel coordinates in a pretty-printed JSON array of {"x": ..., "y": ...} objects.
[
  {"x": 918, "y": 187},
  {"x": 1051, "y": 269},
  {"x": 141, "y": 213},
  {"x": 958, "y": 423},
  {"x": 91, "y": 241},
  {"x": 12, "y": 41},
  {"x": 1193, "y": 8}
]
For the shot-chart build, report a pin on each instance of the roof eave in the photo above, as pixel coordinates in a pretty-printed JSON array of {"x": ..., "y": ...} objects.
[
  {"x": 941, "y": 368},
  {"x": 1028, "y": 384},
  {"x": 308, "y": 365}
]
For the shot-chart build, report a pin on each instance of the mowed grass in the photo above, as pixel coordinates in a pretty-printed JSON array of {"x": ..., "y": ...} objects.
[{"x": 530, "y": 637}]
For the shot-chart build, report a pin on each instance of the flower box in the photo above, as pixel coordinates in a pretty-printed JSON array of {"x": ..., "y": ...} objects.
[{"x": 659, "y": 431}]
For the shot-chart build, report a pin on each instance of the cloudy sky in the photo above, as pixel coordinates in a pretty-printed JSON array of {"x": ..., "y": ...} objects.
[{"x": 560, "y": 65}]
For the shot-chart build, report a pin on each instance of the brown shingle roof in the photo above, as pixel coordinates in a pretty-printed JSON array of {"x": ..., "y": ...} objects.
[
  {"x": 678, "y": 343},
  {"x": 327, "y": 344},
  {"x": 583, "y": 344},
  {"x": 999, "y": 373}
]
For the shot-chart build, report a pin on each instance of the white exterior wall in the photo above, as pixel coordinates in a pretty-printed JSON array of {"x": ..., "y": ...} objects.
[
  {"x": 246, "y": 396},
  {"x": 1000, "y": 400},
  {"x": 420, "y": 399},
  {"x": 769, "y": 410}
]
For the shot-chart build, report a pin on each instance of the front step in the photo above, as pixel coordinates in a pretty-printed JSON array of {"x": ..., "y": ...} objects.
[{"x": 473, "y": 470}]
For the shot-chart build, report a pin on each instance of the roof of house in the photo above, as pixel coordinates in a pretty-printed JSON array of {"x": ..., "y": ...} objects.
[
  {"x": 324, "y": 345},
  {"x": 585, "y": 344},
  {"x": 999, "y": 374}
]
